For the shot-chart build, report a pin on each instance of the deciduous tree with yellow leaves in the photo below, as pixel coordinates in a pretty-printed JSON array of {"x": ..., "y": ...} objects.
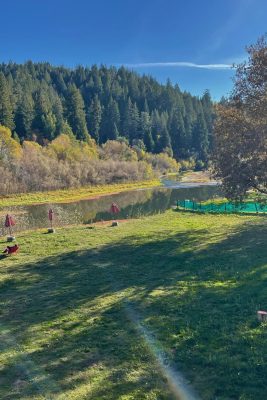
[{"x": 10, "y": 149}]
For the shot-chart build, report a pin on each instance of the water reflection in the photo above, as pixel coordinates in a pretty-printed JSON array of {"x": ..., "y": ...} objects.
[{"x": 133, "y": 204}]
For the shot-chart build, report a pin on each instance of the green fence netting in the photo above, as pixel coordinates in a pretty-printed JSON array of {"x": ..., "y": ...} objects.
[{"x": 246, "y": 207}]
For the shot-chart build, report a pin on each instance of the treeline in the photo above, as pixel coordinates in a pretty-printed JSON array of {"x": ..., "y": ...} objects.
[
  {"x": 39, "y": 102},
  {"x": 66, "y": 162}
]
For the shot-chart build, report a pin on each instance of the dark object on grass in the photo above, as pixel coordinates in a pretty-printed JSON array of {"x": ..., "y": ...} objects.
[
  {"x": 115, "y": 223},
  {"x": 11, "y": 250},
  {"x": 10, "y": 238}
]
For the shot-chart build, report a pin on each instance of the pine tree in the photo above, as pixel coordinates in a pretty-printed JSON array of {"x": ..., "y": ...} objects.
[
  {"x": 146, "y": 129},
  {"x": 6, "y": 112},
  {"x": 24, "y": 116},
  {"x": 155, "y": 128},
  {"x": 146, "y": 108},
  {"x": 49, "y": 122},
  {"x": 135, "y": 123},
  {"x": 131, "y": 121},
  {"x": 127, "y": 119},
  {"x": 200, "y": 137},
  {"x": 59, "y": 82},
  {"x": 44, "y": 122},
  {"x": 207, "y": 109},
  {"x": 188, "y": 125},
  {"x": 177, "y": 133},
  {"x": 98, "y": 86},
  {"x": 114, "y": 113},
  {"x": 57, "y": 109},
  {"x": 95, "y": 116},
  {"x": 111, "y": 121},
  {"x": 208, "y": 115},
  {"x": 114, "y": 132},
  {"x": 75, "y": 113},
  {"x": 66, "y": 130},
  {"x": 165, "y": 141}
]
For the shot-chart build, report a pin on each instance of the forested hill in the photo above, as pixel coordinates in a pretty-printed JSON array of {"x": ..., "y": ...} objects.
[{"x": 41, "y": 101}]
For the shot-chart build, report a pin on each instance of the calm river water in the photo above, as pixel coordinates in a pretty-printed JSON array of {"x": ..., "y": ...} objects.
[{"x": 133, "y": 204}]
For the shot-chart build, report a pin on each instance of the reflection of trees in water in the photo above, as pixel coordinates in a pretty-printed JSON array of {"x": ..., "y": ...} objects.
[
  {"x": 92, "y": 208},
  {"x": 133, "y": 204},
  {"x": 200, "y": 193},
  {"x": 157, "y": 202}
]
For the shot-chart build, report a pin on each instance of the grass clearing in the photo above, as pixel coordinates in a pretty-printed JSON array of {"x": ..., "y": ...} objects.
[{"x": 194, "y": 282}]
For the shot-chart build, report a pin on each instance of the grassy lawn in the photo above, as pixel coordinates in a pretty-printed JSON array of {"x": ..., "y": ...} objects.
[
  {"x": 105, "y": 313},
  {"x": 70, "y": 195}
]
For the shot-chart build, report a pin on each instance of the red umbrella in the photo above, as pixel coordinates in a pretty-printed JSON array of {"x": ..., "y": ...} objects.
[
  {"x": 9, "y": 222},
  {"x": 114, "y": 209},
  {"x": 50, "y": 216}
]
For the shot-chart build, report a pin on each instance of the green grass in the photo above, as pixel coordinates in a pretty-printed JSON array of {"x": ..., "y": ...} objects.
[
  {"x": 70, "y": 195},
  {"x": 74, "y": 306}
]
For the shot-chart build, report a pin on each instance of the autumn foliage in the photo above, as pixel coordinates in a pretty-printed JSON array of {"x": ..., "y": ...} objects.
[
  {"x": 67, "y": 162},
  {"x": 240, "y": 132}
]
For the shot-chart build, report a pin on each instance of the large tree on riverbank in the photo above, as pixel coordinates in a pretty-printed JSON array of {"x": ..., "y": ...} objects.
[{"x": 240, "y": 156}]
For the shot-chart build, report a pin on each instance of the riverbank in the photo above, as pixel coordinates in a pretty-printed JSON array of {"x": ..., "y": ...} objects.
[
  {"x": 91, "y": 192},
  {"x": 189, "y": 179},
  {"x": 197, "y": 177},
  {"x": 111, "y": 313},
  {"x": 71, "y": 195}
]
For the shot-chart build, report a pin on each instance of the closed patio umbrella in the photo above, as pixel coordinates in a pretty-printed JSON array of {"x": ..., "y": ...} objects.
[
  {"x": 114, "y": 209},
  {"x": 9, "y": 222},
  {"x": 51, "y": 217}
]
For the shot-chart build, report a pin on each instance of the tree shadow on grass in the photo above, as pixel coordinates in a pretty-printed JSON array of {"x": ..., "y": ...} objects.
[{"x": 198, "y": 299}]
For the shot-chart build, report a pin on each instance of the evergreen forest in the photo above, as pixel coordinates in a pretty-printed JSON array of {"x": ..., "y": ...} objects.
[{"x": 38, "y": 102}]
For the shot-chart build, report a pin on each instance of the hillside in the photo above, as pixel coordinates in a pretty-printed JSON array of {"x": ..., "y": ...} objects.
[{"x": 39, "y": 101}]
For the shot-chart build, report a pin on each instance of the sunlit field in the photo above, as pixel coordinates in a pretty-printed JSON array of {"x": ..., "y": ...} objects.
[{"x": 119, "y": 313}]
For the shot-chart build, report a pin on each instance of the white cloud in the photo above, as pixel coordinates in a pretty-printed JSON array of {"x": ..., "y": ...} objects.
[{"x": 185, "y": 64}]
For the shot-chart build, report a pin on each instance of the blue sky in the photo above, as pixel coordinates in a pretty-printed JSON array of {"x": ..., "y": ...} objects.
[{"x": 184, "y": 40}]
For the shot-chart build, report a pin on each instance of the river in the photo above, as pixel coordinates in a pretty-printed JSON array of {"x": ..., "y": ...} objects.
[{"x": 133, "y": 204}]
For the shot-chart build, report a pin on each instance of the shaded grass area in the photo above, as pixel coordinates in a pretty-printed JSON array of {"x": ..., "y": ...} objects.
[
  {"x": 73, "y": 194},
  {"x": 195, "y": 282}
]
